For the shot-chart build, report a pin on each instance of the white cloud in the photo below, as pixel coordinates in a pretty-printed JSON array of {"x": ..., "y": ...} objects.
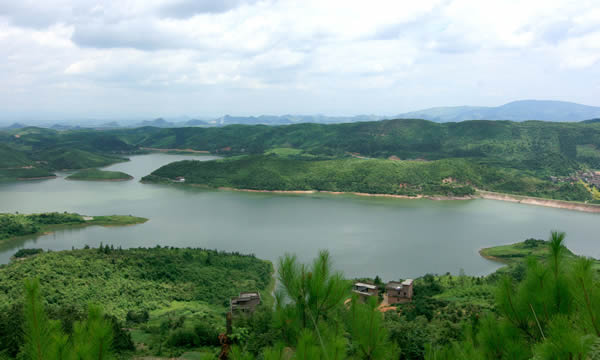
[{"x": 393, "y": 55}]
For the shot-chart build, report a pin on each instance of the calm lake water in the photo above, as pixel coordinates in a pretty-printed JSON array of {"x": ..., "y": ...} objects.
[{"x": 391, "y": 238}]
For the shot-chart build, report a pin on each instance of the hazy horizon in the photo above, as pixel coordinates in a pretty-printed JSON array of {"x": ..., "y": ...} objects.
[{"x": 65, "y": 60}]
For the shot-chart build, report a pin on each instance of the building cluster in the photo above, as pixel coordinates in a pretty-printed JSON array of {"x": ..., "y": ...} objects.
[
  {"x": 589, "y": 177},
  {"x": 396, "y": 292}
]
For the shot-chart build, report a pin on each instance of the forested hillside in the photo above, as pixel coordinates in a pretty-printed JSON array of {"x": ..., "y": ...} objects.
[
  {"x": 36, "y": 153},
  {"x": 163, "y": 294},
  {"x": 406, "y": 139},
  {"x": 446, "y": 177},
  {"x": 172, "y": 302},
  {"x": 530, "y": 158}
]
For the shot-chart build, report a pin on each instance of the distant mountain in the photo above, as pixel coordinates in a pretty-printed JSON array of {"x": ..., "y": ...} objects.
[
  {"x": 15, "y": 126},
  {"x": 109, "y": 125},
  {"x": 291, "y": 119},
  {"x": 160, "y": 122},
  {"x": 196, "y": 122},
  {"x": 64, "y": 127},
  {"x": 516, "y": 111},
  {"x": 592, "y": 121}
]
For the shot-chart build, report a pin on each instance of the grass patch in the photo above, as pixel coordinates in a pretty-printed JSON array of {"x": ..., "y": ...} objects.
[{"x": 99, "y": 175}]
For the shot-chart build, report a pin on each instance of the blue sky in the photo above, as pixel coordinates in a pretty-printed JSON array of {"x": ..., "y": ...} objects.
[{"x": 149, "y": 58}]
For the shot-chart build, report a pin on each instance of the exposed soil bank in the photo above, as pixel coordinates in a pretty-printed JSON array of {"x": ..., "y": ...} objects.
[
  {"x": 105, "y": 180},
  {"x": 176, "y": 150},
  {"x": 559, "y": 204},
  {"x": 38, "y": 178},
  {"x": 492, "y": 258},
  {"x": 436, "y": 197}
]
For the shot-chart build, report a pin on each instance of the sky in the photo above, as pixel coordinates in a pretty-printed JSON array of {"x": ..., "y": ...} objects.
[{"x": 82, "y": 59}]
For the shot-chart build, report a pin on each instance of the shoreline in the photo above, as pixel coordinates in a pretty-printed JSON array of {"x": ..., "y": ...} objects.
[
  {"x": 38, "y": 178},
  {"x": 176, "y": 150},
  {"x": 529, "y": 200},
  {"x": 480, "y": 194},
  {"x": 49, "y": 229},
  {"x": 488, "y": 195},
  {"x": 104, "y": 180},
  {"x": 496, "y": 259},
  {"x": 416, "y": 197}
]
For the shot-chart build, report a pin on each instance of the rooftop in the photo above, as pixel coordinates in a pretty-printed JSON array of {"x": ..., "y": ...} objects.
[
  {"x": 399, "y": 285},
  {"x": 368, "y": 286}
]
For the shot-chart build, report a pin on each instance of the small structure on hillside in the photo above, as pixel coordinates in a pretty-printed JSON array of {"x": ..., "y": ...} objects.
[
  {"x": 179, "y": 179},
  {"x": 246, "y": 302},
  {"x": 399, "y": 292},
  {"x": 365, "y": 291}
]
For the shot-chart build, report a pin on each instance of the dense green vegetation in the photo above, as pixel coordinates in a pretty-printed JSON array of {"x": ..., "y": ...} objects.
[
  {"x": 544, "y": 307},
  {"x": 35, "y": 152},
  {"x": 351, "y": 175},
  {"x": 552, "y": 313},
  {"x": 25, "y": 174},
  {"x": 14, "y": 225},
  {"x": 406, "y": 139},
  {"x": 45, "y": 339},
  {"x": 99, "y": 175},
  {"x": 170, "y": 299},
  {"x": 450, "y": 177},
  {"x": 510, "y": 157},
  {"x": 172, "y": 302}
]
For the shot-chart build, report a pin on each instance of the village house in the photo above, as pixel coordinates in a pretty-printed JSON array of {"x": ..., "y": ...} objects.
[
  {"x": 179, "y": 179},
  {"x": 365, "y": 291},
  {"x": 246, "y": 302},
  {"x": 399, "y": 292}
]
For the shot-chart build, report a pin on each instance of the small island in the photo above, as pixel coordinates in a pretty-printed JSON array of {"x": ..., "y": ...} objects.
[
  {"x": 516, "y": 253},
  {"x": 99, "y": 175},
  {"x": 16, "y": 225}
]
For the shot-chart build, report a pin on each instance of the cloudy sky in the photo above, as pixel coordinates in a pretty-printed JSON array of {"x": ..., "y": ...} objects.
[{"x": 149, "y": 58}]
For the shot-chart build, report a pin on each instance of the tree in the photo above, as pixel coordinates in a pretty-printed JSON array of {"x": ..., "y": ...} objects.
[
  {"x": 45, "y": 339},
  {"x": 551, "y": 314}
]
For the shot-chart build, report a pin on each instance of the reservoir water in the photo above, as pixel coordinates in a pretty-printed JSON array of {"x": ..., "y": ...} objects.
[{"x": 392, "y": 238}]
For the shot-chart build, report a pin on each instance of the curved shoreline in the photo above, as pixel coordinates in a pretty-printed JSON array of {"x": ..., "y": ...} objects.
[
  {"x": 416, "y": 197},
  {"x": 488, "y": 195},
  {"x": 492, "y": 258},
  {"x": 529, "y": 200},
  {"x": 176, "y": 150},
  {"x": 480, "y": 194},
  {"x": 37, "y": 178},
  {"x": 51, "y": 228},
  {"x": 104, "y": 180}
]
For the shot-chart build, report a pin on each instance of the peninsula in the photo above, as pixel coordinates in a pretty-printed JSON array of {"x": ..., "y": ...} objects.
[
  {"x": 99, "y": 175},
  {"x": 16, "y": 225}
]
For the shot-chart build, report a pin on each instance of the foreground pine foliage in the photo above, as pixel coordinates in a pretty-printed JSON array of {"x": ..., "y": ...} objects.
[
  {"x": 553, "y": 313},
  {"x": 46, "y": 340}
]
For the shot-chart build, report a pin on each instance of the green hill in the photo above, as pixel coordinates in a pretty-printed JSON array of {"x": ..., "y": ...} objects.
[
  {"x": 136, "y": 279},
  {"x": 448, "y": 177},
  {"x": 407, "y": 139},
  {"x": 100, "y": 175},
  {"x": 12, "y": 158}
]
